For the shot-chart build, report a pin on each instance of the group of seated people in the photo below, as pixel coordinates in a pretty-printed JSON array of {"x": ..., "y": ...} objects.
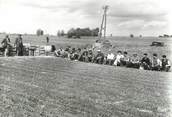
[{"x": 121, "y": 59}]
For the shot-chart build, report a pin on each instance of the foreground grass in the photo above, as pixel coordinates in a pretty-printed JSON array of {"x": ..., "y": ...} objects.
[{"x": 54, "y": 87}]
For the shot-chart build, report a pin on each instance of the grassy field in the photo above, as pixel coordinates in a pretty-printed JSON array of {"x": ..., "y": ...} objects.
[
  {"x": 132, "y": 45},
  {"x": 55, "y": 87}
]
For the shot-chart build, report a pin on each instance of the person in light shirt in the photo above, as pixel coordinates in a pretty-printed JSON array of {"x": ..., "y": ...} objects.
[
  {"x": 134, "y": 62},
  {"x": 119, "y": 56},
  {"x": 110, "y": 58},
  {"x": 156, "y": 63}
]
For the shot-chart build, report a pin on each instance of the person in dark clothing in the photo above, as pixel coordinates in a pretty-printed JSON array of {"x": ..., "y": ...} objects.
[
  {"x": 125, "y": 60},
  {"x": 6, "y": 45},
  {"x": 19, "y": 45},
  {"x": 90, "y": 55},
  {"x": 99, "y": 58},
  {"x": 72, "y": 54},
  {"x": 77, "y": 54},
  {"x": 48, "y": 39},
  {"x": 145, "y": 62},
  {"x": 84, "y": 56},
  {"x": 165, "y": 64}
]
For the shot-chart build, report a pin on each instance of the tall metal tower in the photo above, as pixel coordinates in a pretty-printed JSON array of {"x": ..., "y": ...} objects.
[{"x": 104, "y": 21}]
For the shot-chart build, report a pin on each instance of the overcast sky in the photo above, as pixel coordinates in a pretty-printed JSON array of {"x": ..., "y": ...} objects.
[{"x": 146, "y": 17}]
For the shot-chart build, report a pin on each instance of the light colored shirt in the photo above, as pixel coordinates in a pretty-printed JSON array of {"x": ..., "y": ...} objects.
[
  {"x": 110, "y": 56},
  {"x": 156, "y": 62},
  {"x": 118, "y": 58}
]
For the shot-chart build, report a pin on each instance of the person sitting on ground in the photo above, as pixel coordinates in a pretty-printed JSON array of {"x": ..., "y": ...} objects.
[
  {"x": 119, "y": 56},
  {"x": 77, "y": 54},
  {"x": 59, "y": 52},
  {"x": 72, "y": 54},
  {"x": 84, "y": 56},
  {"x": 110, "y": 58},
  {"x": 145, "y": 62},
  {"x": 66, "y": 53},
  {"x": 99, "y": 58},
  {"x": 156, "y": 63},
  {"x": 6, "y": 45},
  {"x": 166, "y": 65},
  {"x": 134, "y": 62},
  {"x": 125, "y": 60},
  {"x": 90, "y": 55}
]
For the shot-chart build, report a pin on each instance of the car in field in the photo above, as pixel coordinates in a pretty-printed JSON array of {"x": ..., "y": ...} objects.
[{"x": 157, "y": 44}]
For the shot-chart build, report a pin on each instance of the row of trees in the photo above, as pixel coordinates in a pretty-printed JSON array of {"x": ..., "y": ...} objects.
[
  {"x": 60, "y": 33},
  {"x": 74, "y": 32},
  {"x": 82, "y": 32},
  {"x": 165, "y": 35}
]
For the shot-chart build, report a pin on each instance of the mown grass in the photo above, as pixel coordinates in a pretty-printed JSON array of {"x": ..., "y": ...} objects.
[{"x": 54, "y": 87}]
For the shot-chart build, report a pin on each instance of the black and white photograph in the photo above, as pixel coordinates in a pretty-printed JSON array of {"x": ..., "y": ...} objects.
[{"x": 85, "y": 58}]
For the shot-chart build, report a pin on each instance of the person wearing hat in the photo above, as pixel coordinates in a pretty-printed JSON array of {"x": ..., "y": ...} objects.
[
  {"x": 6, "y": 45},
  {"x": 145, "y": 62},
  {"x": 90, "y": 55},
  {"x": 119, "y": 56},
  {"x": 77, "y": 54},
  {"x": 99, "y": 58},
  {"x": 125, "y": 60},
  {"x": 156, "y": 63},
  {"x": 84, "y": 55},
  {"x": 134, "y": 62},
  {"x": 19, "y": 45},
  {"x": 165, "y": 64}
]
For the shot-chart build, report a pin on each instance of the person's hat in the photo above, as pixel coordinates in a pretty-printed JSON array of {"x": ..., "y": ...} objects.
[
  {"x": 164, "y": 56},
  {"x": 119, "y": 51},
  {"x": 98, "y": 50},
  {"x": 154, "y": 54},
  {"x": 125, "y": 52},
  {"x": 145, "y": 54}
]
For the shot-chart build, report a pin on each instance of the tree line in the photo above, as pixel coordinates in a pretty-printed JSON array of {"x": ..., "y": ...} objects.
[{"x": 78, "y": 32}]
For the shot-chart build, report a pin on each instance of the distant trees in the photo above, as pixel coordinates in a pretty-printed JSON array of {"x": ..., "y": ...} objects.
[
  {"x": 82, "y": 32},
  {"x": 39, "y": 32},
  {"x": 60, "y": 33},
  {"x": 165, "y": 36}
]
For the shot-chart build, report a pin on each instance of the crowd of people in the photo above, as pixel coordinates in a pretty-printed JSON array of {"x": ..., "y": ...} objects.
[
  {"x": 89, "y": 55},
  {"x": 120, "y": 59}
]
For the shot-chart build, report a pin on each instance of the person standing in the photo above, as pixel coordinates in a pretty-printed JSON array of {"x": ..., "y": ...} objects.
[
  {"x": 6, "y": 45},
  {"x": 47, "y": 39},
  {"x": 19, "y": 45}
]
